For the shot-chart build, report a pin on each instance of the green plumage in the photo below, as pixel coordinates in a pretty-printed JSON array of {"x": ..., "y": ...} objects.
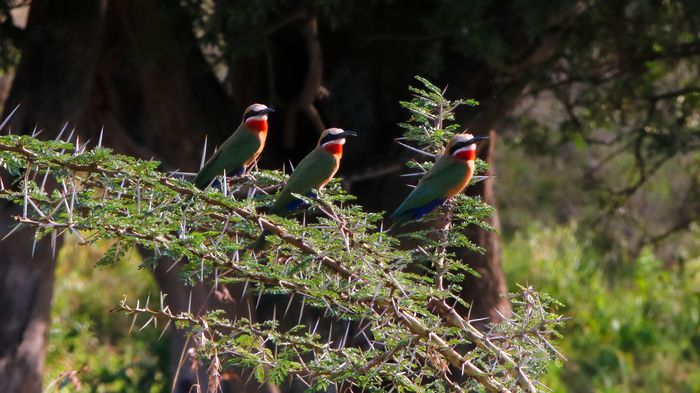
[
  {"x": 443, "y": 178},
  {"x": 313, "y": 171},
  {"x": 240, "y": 147}
]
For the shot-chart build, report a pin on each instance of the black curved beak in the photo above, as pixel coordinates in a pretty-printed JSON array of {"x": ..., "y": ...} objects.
[
  {"x": 477, "y": 139},
  {"x": 264, "y": 111},
  {"x": 347, "y": 133}
]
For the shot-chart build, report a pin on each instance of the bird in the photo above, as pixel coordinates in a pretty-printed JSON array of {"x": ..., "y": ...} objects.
[
  {"x": 240, "y": 150},
  {"x": 448, "y": 177},
  {"x": 310, "y": 175}
]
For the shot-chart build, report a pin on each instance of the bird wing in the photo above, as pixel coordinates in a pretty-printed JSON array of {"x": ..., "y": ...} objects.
[
  {"x": 234, "y": 152},
  {"x": 313, "y": 171},
  {"x": 443, "y": 176}
]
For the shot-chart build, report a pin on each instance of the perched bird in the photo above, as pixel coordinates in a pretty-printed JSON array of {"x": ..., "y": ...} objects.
[
  {"x": 240, "y": 150},
  {"x": 312, "y": 173},
  {"x": 448, "y": 177}
]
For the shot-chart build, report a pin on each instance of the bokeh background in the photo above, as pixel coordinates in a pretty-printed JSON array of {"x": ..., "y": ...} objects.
[{"x": 593, "y": 108}]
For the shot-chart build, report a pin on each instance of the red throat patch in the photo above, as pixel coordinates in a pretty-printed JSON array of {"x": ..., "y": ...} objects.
[
  {"x": 257, "y": 125},
  {"x": 466, "y": 155},
  {"x": 334, "y": 148}
]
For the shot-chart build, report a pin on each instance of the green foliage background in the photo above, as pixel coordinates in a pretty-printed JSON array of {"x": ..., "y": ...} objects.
[
  {"x": 634, "y": 323},
  {"x": 84, "y": 337},
  {"x": 634, "y": 330}
]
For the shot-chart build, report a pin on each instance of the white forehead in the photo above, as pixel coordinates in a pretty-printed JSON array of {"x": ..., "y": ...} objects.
[
  {"x": 335, "y": 131},
  {"x": 463, "y": 137},
  {"x": 257, "y": 107}
]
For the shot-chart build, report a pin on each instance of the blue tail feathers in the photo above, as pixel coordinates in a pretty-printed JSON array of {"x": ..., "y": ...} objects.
[
  {"x": 420, "y": 212},
  {"x": 297, "y": 203},
  {"x": 216, "y": 182}
]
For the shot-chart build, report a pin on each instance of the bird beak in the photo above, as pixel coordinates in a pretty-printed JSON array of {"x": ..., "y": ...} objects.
[
  {"x": 265, "y": 111},
  {"x": 477, "y": 139},
  {"x": 347, "y": 133}
]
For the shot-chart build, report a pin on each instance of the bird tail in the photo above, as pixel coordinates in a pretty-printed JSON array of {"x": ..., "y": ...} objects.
[
  {"x": 260, "y": 243},
  {"x": 204, "y": 178},
  {"x": 200, "y": 181},
  {"x": 398, "y": 223}
]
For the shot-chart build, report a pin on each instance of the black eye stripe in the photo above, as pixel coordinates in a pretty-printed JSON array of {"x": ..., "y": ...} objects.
[
  {"x": 250, "y": 114},
  {"x": 330, "y": 137},
  {"x": 458, "y": 146}
]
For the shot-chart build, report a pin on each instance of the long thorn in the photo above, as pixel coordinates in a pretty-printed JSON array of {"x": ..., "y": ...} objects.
[
  {"x": 204, "y": 153},
  {"x": 60, "y": 133},
  {"x": 291, "y": 297},
  {"x": 7, "y": 119},
  {"x": 260, "y": 293},
  {"x": 419, "y": 151},
  {"x": 301, "y": 311},
  {"x": 99, "y": 141}
]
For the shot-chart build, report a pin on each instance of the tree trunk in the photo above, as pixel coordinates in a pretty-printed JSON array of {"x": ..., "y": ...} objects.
[
  {"x": 499, "y": 91},
  {"x": 158, "y": 97},
  {"x": 58, "y": 61},
  {"x": 487, "y": 292}
]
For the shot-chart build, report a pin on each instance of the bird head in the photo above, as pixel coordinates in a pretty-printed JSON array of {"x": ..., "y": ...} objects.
[
  {"x": 463, "y": 146},
  {"x": 255, "y": 116},
  {"x": 333, "y": 139}
]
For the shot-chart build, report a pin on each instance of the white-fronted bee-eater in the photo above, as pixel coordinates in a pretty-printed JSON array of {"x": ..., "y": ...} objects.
[
  {"x": 311, "y": 174},
  {"x": 448, "y": 177},
  {"x": 240, "y": 150}
]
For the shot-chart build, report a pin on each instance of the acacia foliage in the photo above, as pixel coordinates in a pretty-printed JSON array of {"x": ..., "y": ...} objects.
[{"x": 333, "y": 256}]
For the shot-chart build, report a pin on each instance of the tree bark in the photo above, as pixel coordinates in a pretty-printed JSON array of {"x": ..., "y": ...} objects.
[
  {"x": 487, "y": 292},
  {"x": 58, "y": 59}
]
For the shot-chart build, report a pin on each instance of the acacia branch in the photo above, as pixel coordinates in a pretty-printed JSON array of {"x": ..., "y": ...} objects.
[{"x": 380, "y": 306}]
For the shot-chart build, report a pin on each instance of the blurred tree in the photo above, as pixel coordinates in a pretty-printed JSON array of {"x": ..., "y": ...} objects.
[{"x": 624, "y": 110}]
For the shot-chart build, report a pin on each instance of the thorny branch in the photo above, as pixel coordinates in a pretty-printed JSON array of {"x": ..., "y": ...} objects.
[{"x": 358, "y": 275}]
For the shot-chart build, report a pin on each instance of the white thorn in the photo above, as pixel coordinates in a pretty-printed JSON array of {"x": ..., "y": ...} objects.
[
  {"x": 54, "y": 235},
  {"x": 409, "y": 147},
  {"x": 345, "y": 338},
  {"x": 316, "y": 325},
  {"x": 412, "y": 174},
  {"x": 291, "y": 297},
  {"x": 257, "y": 303},
  {"x": 99, "y": 141},
  {"x": 224, "y": 186},
  {"x": 7, "y": 119},
  {"x": 204, "y": 153},
  {"x": 245, "y": 287},
  {"x": 301, "y": 311},
  {"x": 34, "y": 245},
  {"x": 63, "y": 129},
  {"x": 70, "y": 136}
]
